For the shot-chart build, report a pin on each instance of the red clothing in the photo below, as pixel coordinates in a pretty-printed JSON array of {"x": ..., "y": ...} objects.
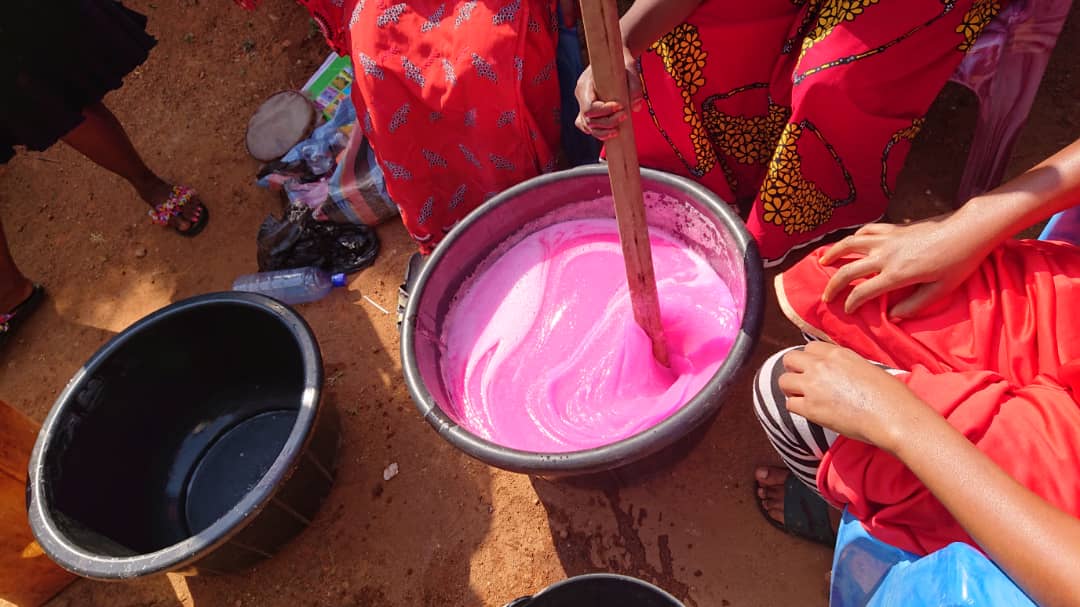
[
  {"x": 459, "y": 99},
  {"x": 800, "y": 111},
  {"x": 331, "y": 18},
  {"x": 329, "y": 15},
  {"x": 999, "y": 359}
]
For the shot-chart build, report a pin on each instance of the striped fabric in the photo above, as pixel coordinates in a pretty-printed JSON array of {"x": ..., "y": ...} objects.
[{"x": 800, "y": 443}]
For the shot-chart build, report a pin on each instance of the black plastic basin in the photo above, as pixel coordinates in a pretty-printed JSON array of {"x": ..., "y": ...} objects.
[
  {"x": 194, "y": 441},
  {"x": 599, "y": 590}
]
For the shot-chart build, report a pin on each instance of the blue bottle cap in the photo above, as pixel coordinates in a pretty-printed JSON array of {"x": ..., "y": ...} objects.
[{"x": 338, "y": 280}]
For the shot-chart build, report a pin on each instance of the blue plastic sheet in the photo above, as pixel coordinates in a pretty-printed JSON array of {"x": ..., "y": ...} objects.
[
  {"x": 871, "y": 573},
  {"x": 1065, "y": 226}
]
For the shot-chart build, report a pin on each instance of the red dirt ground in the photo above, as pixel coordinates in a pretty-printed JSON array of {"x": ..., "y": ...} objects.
[{"x": 447, "y": 531}]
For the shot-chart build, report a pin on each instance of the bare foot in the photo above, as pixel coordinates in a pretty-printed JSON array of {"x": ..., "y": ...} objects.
[
  {"x": 159, "y": 191},
  {"x": 770, "y": 492}
]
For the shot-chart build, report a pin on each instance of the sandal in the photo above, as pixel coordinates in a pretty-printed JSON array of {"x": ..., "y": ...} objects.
[
  {"x": 11, "y": 321},
  {"x": 174, "y": 205},
  {"x": 412, "y": 272},
  {"x": 806, "y": 514}
]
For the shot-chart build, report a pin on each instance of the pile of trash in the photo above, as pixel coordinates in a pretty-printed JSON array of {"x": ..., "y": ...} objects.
[{"x": 331, "y": 186}]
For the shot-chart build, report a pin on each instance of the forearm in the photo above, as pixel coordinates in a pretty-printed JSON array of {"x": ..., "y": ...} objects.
[
  {"x": 648, "y": 20},
  {"x": 1037, "y": 544},
  {"x": 1051, "y": 186}
]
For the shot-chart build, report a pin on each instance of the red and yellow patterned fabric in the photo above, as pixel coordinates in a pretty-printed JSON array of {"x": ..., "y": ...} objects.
[
  {"x": 999, "y": 359},
  {"x": 800, "y": 111}
]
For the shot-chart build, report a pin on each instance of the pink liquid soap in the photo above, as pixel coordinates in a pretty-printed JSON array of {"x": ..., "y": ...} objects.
[{"x": 543, "y": 353}]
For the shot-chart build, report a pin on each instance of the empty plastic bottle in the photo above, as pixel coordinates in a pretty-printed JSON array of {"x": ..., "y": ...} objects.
[{"x": 297, "y": 286}]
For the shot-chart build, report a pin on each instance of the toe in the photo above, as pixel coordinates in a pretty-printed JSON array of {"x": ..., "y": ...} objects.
[
  {"x": 775, "y": 492},
  {"x": 776, "y": 514},
  {"x": 769, "y": 476},
  {"x": 190, "y": 215},
  {"x": 181, "y": 223},
  {"x": 771, "y": 504},
  {"x": 193, "y": 209}
]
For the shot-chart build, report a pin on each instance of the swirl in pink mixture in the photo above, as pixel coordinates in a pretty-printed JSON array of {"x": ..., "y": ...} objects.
[{"x": 543, "y": 353}]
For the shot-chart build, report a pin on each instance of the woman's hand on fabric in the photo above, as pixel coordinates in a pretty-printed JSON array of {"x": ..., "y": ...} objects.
[
  {"x": 838, "y": 389},
  {"x": 937, "y": 254},
  {"x": 599, "y": 118}
]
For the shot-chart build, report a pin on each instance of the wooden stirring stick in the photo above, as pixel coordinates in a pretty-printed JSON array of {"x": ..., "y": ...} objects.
[{"x": 601, "y": 21}]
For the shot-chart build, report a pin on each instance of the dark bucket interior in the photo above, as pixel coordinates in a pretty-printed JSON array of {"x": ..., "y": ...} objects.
[
  {"x": 677, "y": 206},
  {"x": 172, "y": 428},
  {"x": 600, "y": 591}
]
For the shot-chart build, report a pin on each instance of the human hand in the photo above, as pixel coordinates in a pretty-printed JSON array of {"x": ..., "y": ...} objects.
[
  {"x": 840, "y": 390},
  {"x": 601, "y": 119},
  {"x": 937, "y": 254}
]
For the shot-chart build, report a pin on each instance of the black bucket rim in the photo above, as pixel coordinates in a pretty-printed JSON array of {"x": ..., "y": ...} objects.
[
  {"x": 647, "y": 442},
  {"x": 179, "y": 555},
  {"x": 526, "y": 601}
]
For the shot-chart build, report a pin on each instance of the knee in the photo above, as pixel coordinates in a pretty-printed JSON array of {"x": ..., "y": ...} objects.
[
  {"x": 773, "y": 366},
  {"x": 767, "y": 393}
]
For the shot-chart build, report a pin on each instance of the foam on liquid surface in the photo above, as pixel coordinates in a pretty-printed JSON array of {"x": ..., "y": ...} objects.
[{"x": 543, "y": 354}]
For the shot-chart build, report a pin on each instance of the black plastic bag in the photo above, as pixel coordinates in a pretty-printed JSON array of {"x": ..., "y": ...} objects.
[{"x": 299, "y": 240}]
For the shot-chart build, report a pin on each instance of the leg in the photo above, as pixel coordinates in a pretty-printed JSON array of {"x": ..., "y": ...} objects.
[
  {"x": 102, "y": 139},
  {"x": 795, "y": 507},
  {"x": 1004, "y": 70},
  {"x": 860, "y": 84},
  {"x": 18, "y": 296},
  {"x": 14, "y": 287},
  {"x": 1030, "y": 289},
  {"x": 1002, "y": 115},
  {"x": 800, "y": 443}
]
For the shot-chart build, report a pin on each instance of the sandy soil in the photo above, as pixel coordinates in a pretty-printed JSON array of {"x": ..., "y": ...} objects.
[{"x": 447, "y": 531}]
